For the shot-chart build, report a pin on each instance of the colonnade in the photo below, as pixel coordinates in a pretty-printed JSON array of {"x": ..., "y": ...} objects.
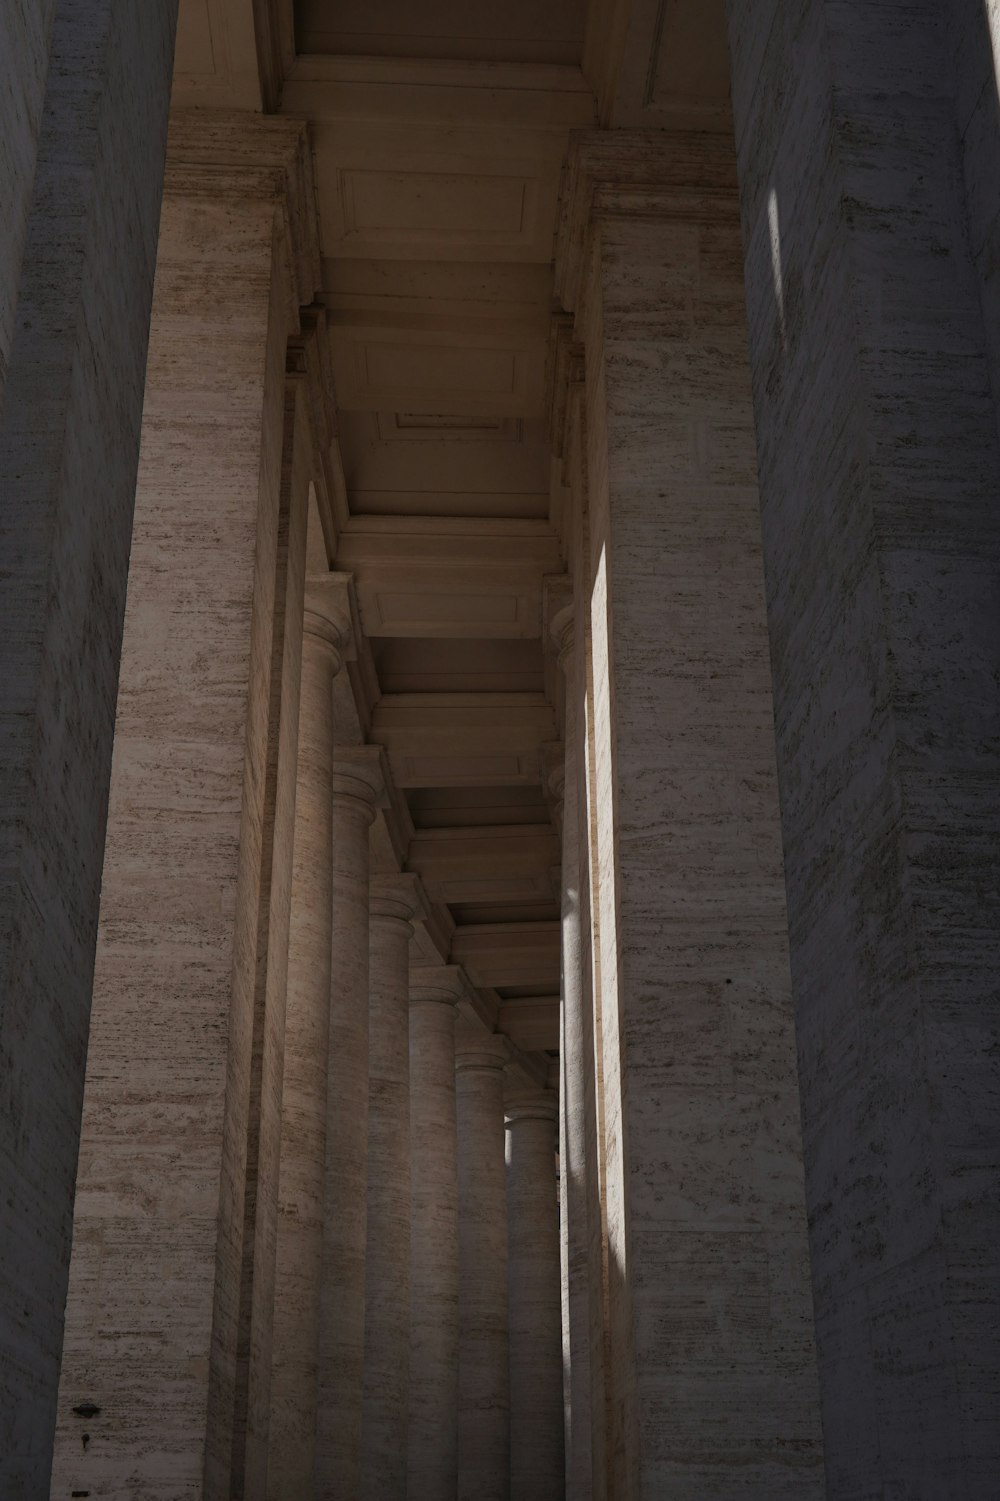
[
  {"x": 315, "y": 1242},
  {"x": 396, "y": 1333},
  {"x": 310, "y": 1226}
]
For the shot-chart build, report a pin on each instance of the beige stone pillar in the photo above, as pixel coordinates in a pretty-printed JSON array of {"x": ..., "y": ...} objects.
[
  {"x": 157, "y": 1279},
  {"x": 299, "y": 1252},
  {"x": 704, "y": 1183},
  {"x": 575, "y": 1060},
  {"x": 536, "y": 1386},
  {"x": 358, "y": 782},
  {"x": 260, "y": 1213},
  {"x": 396, "y": 902},
  {"x": 81, "y": 172},
  {"x": 483, "y": 1369},
  {"x": 433, "y": 1427}
]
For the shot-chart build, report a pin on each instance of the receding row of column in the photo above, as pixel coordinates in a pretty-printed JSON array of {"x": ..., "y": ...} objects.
[{"x": 398, "y": 1336}]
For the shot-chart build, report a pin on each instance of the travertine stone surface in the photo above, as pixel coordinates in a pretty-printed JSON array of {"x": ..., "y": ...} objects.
[
  {"x": 25, "y": 30},
  {"x": 536, "y": 1378},
  {"x": 79, "y": 202},
  {"x": 396, "y": 903},
  {"x": 483, "y": 1371},
  {"x": 576, "y": 1060},
  {"x": 713, "y": 1379},
  {"x": 155, "y": 1289},
  {"x": 358, "y": 781},
  {"x": 974, "y": 43},
  {"x": 578, "y": 686},
  {"x": 879, "y": 463},
  {"x": 299, "y": 1249},
  {"x": 432, "y": 1441},
  {"x": 257, "y": 1289}
]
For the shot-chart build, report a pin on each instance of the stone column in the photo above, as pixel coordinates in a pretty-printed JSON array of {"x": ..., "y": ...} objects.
[
  {"x": 432, "y": 1444},
  {"x": 536, "y": 1378},
  {"x": 153, "y": 1314},
  {"x": 868, "y": 153},
  {"x": 483, "y": 1356},
  {"x": 358, "y": 781},
  {"x": 711, "y": 1364},
  {"x": 299, "y": 1251},
  {"x": 575, "y": 1059},
  {"x": 396, "y": 902},
  {"x": 81, "y": 172}
]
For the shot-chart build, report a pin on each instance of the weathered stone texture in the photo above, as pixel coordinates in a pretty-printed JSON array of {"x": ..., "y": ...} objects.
[
  {"x": 537, "y": 1459},
  {"x": 160, "y": 1208},
  {"x": 25, "y": 28},
  {"x": 577, "y": 1165},
  {"x": 483, "y": 1369},
  {"x": 257, "y": 1288},
  {"x": 975, "y": 50},
  {"x": 69, "y": 439},
  {"x": 713, "y": 1375},
  {"x": 432, "y": 1442},
  {"x": 302, "y": 1155},
  {"x": 357, "y": 779},
  {"x": 395, "y": 901},
  {"x": 877, "y": 441}
]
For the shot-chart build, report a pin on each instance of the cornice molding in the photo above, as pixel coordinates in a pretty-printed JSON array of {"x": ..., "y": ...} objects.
[
  {"x": 687, "y": 177},
  {"x": 223, "y": 154}
]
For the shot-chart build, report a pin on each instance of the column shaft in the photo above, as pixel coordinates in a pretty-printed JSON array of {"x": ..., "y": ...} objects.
[
  {"x": 80, "y": 183},
  {"x": 536, "y": 1381},
  {"x": 576, "y": 1059},
  {"x": 483, "y": 1358},
  {"x": 712, "y": 1359},
  {"x": 299, "y": 1250},
  {"x": 260, "y": 1213},
  {"x": 395, "y": 901},
  {"x": 869, "y": 211},
  {"x": 345, "y": 1193},
  {"x": 153, "y": 1312},
  {"x": 433, "y": 1424}
]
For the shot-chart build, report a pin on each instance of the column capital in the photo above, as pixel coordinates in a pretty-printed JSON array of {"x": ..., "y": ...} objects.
[
  {"x": 562, "y": 629},
  {"x": 437, "y": 984},
  {"x": 683, "y": 176},
  {"x": 327, "y": 616},
  {"x": 397, "y": 899},
  {"x": 530, "y": 1105},
  {"x": 553, "y": 753},
  {"x": 217, "y": 154},
  {"x": 360, "y": 777},
  {"x": 477, "y": 1050}
]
